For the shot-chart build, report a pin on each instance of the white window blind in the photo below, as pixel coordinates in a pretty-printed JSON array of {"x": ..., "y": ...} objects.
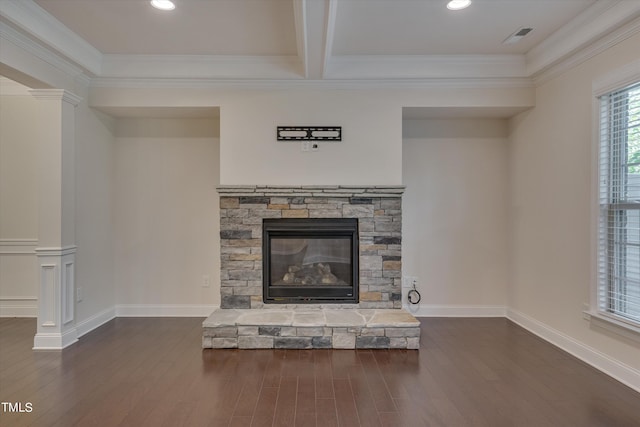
[{"x": 619, "y": 204}]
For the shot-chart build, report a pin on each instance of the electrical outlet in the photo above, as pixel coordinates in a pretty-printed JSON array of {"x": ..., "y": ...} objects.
[
  {"x": 206, "y": 281},
  {"x": 78, "y": 294},
  {"x": 305, "y": 146},
  {"x": 409, "y": 282}
]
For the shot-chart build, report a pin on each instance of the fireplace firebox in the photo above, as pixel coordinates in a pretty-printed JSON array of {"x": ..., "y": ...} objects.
[{"x": 310, "y": 260}]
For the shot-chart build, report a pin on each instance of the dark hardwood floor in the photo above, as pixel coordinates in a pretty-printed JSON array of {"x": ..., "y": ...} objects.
[{"x": 152, "y": 372}]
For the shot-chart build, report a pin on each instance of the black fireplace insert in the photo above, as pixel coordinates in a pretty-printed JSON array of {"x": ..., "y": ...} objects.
[{"x": 310, "y": 260}]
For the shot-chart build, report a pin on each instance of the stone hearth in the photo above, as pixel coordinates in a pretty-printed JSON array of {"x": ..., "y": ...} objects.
[
  {"x": 376, "y": 321},
  {"x": 306, "y": 329}
]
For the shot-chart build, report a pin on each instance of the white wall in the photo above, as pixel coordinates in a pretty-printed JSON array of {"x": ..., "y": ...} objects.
[
  {"x": 371, "y": 119},
  {"x": 166, "y": 216},
  {"x": 550, "y": 158},
  {"x": 370, "y": 151},
  {"x": 95, "y": 141},
  {"x": 18, "y": 201},
  {"x": 455, "y": 220}
]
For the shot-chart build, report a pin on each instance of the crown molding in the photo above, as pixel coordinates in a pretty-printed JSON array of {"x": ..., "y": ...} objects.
[
  {"x": 201, "y": 67},
  {"x": 599, "y": 20},
  {"x": 43, "y": 27},
  {"x": 426, "y": 67},
  {"x": 341, "y": 84},
  {"x": 610, "y": 40},
  {"x": 22, "y": 42}
]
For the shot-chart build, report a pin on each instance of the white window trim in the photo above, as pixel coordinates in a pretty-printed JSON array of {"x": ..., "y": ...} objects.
[
  {"x": 616, "y": 79},
  {"x": 613, "y": 324}
]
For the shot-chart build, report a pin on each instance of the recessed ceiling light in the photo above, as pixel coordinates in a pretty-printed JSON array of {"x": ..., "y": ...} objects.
[
  {"x": 458, "y": 4},
  {"x": 163, "y": 4}
]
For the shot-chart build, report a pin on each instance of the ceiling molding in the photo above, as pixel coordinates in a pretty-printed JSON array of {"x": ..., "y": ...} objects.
[
  {"x": 201, "y": 67},
  {"x": 588, "y": 52},
  {"x": 342, "y": 84},
  {"x": 9, "y": 34},
  {"x": 39, "y": 24},
  {"x": 426, "y": 67},
  {"x": 600, "y": 19}
]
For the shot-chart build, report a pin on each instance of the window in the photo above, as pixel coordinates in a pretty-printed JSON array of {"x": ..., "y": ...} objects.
[{"x": 619, "y": 205}]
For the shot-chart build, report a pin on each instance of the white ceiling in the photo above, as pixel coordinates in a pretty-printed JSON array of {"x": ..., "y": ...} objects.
[
  {"x": 195, "y": 27},
  {"x": 405, "y": 42},
  {"x": 427, "y": 27},
  {"x": 267, "y": 27}
]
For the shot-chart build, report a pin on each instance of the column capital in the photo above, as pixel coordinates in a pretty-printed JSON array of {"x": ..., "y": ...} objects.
[{"x": 56, "y": 94}]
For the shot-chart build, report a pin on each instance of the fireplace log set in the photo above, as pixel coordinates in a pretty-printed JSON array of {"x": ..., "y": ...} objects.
[{"x": 314, "y": 274}]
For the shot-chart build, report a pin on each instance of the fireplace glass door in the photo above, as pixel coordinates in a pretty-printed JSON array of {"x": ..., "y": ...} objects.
[{"x": 310, "y": 260}]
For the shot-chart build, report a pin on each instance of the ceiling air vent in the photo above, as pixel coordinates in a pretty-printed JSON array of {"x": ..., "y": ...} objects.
[{"x": 517, "y": 36}]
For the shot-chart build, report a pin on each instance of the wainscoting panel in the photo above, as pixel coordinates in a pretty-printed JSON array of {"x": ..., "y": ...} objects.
[{"x": 19, "y": 278}]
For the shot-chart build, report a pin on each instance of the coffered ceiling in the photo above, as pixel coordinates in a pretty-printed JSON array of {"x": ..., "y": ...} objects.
[{"x": 110, "y": 40}]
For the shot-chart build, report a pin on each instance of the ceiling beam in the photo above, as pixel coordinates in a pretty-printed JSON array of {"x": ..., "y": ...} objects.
[
  {"x": 299, "y": 12},
  {"x": 314, "y": 22}
]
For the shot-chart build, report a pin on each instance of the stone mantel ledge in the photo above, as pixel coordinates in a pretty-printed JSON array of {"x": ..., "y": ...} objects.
[
  {"x": 364, "y": 318},
  {"x": 311, "y": 190}
]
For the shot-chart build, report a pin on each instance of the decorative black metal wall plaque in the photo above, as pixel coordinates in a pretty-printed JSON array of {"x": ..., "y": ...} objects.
[{"x": 309, "y": 133}]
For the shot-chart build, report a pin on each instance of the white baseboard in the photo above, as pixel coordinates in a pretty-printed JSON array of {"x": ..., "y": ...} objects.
[
  {"x": 95, "y": 321},
  {"x": 424, "y": 310},
  {"x": 55, "y": 341},
  {"x": 18, "y": 307},
  {"x": 164, "y": 310},
  {"x": 618, "y": 370}
]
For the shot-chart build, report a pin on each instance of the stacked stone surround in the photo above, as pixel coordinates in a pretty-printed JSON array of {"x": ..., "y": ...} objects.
[
  {"x": 377, "y": 208},
  {"x": 377, "y": 321}
]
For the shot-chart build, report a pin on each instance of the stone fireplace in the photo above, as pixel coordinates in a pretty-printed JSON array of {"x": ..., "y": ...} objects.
[
  {"x": 378, "y": 211},
  {"x": 258, "y": 223}
]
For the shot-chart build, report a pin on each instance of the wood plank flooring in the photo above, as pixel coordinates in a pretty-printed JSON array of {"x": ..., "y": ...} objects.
[{"x": 152, "y": 372}]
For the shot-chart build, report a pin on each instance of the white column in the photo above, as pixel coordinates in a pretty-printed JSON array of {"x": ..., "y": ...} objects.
[{"x": 56, "y": 218}]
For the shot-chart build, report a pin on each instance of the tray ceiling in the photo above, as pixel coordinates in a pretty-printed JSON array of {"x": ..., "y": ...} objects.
[{"x": 315, "y": 39}]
